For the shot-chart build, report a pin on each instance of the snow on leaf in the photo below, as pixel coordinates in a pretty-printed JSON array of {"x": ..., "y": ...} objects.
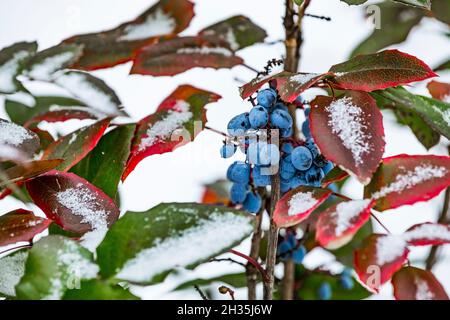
[
  {"x": 338, "y": 224},
  {"x": 389, "y": 68},
  {"x": 349, "y": 132},
  {"x": 405, "y": 179},
  {"x": 144, "y": 247},
  {"x": 427, "y": 234},
  {"x": 72, "y": 202},
  {"x": 13, "y": 136},
  {"x": 412, "y": 283},
  {"x": 45, "y": 63},
  {"x": 60, "y": 114},
  {"x": 177, "y": 121},
  {"x": 12, "y": 270},
  {"x": 20, "y": 225},
  {"x": 92, "y": 91},
  {"x": 11, "y": 62},
  {"x": 379, "y": 258},
  {"x": 296, "y": 205}
]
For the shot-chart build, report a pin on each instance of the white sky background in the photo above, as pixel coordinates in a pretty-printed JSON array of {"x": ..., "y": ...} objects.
[{"x": 179, "y": 176}]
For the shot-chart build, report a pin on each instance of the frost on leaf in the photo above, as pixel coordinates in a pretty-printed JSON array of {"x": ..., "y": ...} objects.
[
  {"x": 12, "y": 269},
  {"x": 11, "y": 63},
  {"x": 73, "y": 203},
  {"x": 412, "y": 283},
  {"x": 338, "y": 224},
  {"x": 145, "y": 246},
  {"x": 427, "y": 234},
  {"x": 15, "y": 139},
  {"x": 406, "y": 179},
  {"x": 296, "y": 205},
  {"x": 177, "y": 121},
  {"x": 379, "y": 258},
  {"x": 177, "y": 55},
  {"x": 349, "y": 132}
]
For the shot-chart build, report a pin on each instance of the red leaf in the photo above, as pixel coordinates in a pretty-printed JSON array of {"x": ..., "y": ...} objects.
[
  {"x": 76, "y": 145},
  {"x": 61, "y": 114},
  {"x": 177, "y": 55},
  {"x": 379, "y": 258},
  {"x": 439, "y": 90},
  {"x": 296, "y": 205},
  {"x": 389, "y": 68},
  {"x": 172, "y": 125},
  {"x": 349, "y": 132},
  {"x": 72, "y": 202},
  {"x": 28, "y": 170},
  {"x": 119, "y": 45},
  {"x": 20, "y": 225},
  {"x": 289, "y": 85},
  {"x": 16, "y": 142},
  {"x": 338, "y": 224},
  {"x": 336, "y": 174},
  {"x": 411, "y": 283},
  {"x": 427, "y": 234},
  {"x": 405, "y": 179}
]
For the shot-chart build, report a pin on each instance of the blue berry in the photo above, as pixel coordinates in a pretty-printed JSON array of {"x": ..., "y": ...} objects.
[
  {"x": 283, "y": 248},
  {"x": 287, "y": 170},
  {"x": 285, "y": 185},
  {"x": 238, "y": 125},
  {"x": 269, "y": 154},
  {"x": 298, "y": 180},
  {"x": 314, "y": 176},
  {"x": 307, "y": 112},
  {"x": 280, "y": 119},
  {"x": 306, "y": 129},
  {"x": 312, "y": 147},
  {"x": 291, "y": 239},
  {"x": 301, "y": 158},
  {"x": 299, "y": 254},
  {"x": 228, "y": 150},
  {"x": 324, "y": 291},
  {"x": 239, "y": 172},
  {"x": 287, "y": 147},
  {"x": 347, "y": 272},
  {"x": 346, "y": 282},
  {"x": 286, "y": 133},
  {"x": 266, "y": 97},
  {"x": 281, "y": 106},
  {"x": 252, "y": 202},
  {"x": 258, "y": 117},
  {"x": 238, "y": 192},
  {"x": 328, "y": 167},
  {"x": 259, "y": 179}
]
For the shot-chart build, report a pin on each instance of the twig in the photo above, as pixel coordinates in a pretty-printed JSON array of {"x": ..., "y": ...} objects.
[
  {"x": 379, "y": 222},
  {"x": 250, "y": 68},
  {"x": 228, "y": 260},
  {"x": 317, "y": 17},
  {"x": 253, "y": 262},
  {"x": 200, "y": 292}
]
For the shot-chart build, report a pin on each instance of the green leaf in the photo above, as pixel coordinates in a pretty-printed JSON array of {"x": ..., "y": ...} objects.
[
  {"x": 104, "y": 165},
  {"x": 12, "y": 268},
  {"x": 424, "y": 4},
  {"x": 354, "y": 2},
  {"x": 238, "y": 31},
  {"x": 441, "y": 10},
  {"x": 45, "y": 63},
  {"x": 144, "y": 247},
  {"x": 54, "y": 265},
  {"x": 312, "y": 280},
  {"x": 99, "y": 290},
  {"x": 12, "y": 59},
  {"x": 434, "y": 112},
  {"x": 20, "y": 113},
  {"x": 396, "y": 22},
  {"x": 236, "y": 280}
]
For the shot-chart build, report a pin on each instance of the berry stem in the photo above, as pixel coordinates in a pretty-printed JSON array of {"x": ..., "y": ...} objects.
[{"x": 253, "y": 262}]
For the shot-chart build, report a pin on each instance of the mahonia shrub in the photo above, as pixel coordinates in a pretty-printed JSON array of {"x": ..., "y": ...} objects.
[{"x": 82, "y": 247}]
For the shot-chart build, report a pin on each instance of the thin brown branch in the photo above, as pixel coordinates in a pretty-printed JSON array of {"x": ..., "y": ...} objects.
[
  {"x": 253, "y": 262},
  {"x": 200, "y": 292}
]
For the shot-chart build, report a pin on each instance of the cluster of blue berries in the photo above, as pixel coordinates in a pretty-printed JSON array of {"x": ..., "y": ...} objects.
[
  {"x": 289, "y": 248},
  {"x": 300, "y": 162},
  {"x": 324, "y": 292}
]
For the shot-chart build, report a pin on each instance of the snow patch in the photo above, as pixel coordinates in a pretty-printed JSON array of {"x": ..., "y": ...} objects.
[
  {"x": 208, "y": 238},
  {"x": 346, "y": 212},
  {"x": 301, "y": 79},
  {"x": 389, "y": 248},
  {"x": 12, "y": 268},
  {"x": 157, "y": 24},
  {"x": 12, "y": 134},
  {"x": 410, "y": 179},
  {"x": 163, "y": 129},
  {"x": 231, "y": 40},
  {"x": 47, "y": 67},
  {"x": 345, "y": 120},
  {"x": 8, "y": 71},
  {"x": 444, "y": 113},
  {"x": 206, "y": 50},
  {"x": 422, "y": 290},
  {"x": 428, "y": 231},
  {"x": 301, "y": 202}
]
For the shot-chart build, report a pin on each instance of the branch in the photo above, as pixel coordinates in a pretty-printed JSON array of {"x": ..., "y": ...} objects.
[
  {"x": 200, "y": 292},
  {"x": 253, "y": 262}
]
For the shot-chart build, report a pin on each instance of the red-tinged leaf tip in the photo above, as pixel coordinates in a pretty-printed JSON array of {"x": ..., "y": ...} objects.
[
  {"x": 61, "y": 114},
  {"x": 338, "y": 224},
  {"x": 177, "y": 121},
  {"x": 28, "y": 170},
  {"x": 439, "y": 90},
  {"x": 72, "y": 202},
  {"x": 335, "y": 175},
  {"x": 349, "y": 132},
  {"x": 427, "y": 234},
  {"x": 296, "y": 205},
  {"x": 379, "y": 258},
  {"x": 76, "y": 145},
  {"x": 389, "y": 68},
  {"x": 412, "y": 283},
  {"x": 405, "y": 179},
  {"x": 20, "y": 225}
]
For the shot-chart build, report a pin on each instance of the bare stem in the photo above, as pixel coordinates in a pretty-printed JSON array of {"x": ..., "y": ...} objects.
[
  {"x": 200, "y": 292},
  {"x": 253, "y": 262}
]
